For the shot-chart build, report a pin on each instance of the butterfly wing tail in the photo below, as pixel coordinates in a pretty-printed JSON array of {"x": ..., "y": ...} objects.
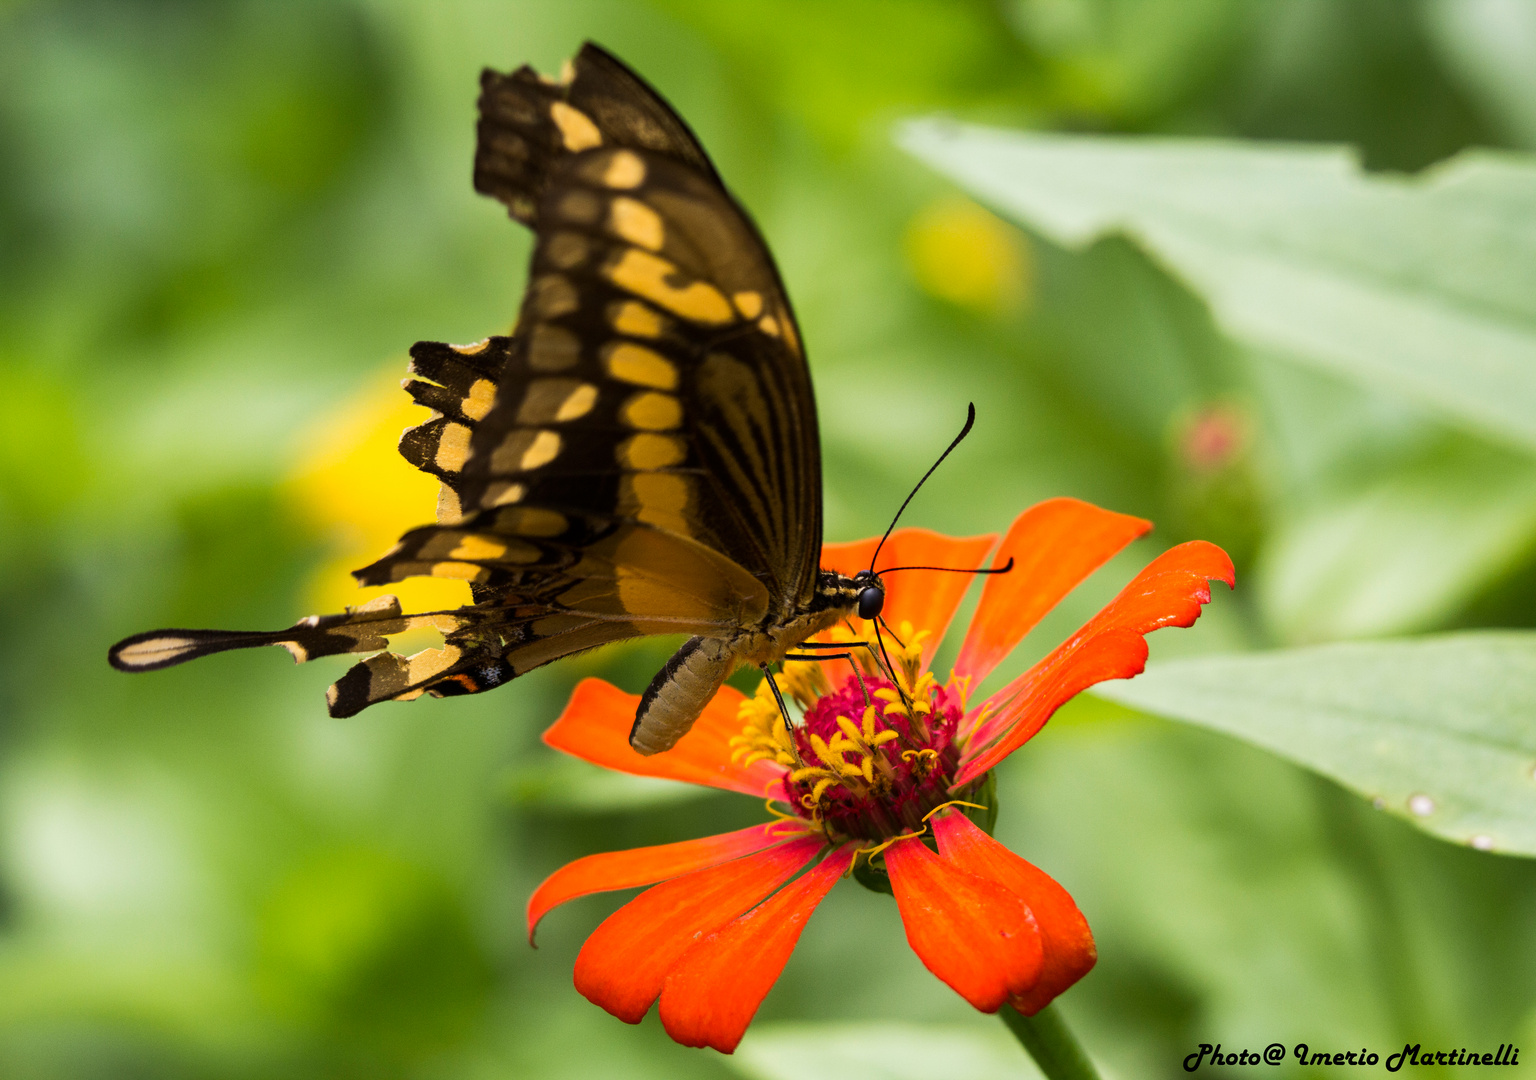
[
  {"x": 360, "y": 629},
  {"x": 156, "y": 649}
]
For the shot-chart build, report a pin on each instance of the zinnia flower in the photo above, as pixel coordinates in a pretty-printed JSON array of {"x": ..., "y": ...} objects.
[{"x": 873, "y": 780}]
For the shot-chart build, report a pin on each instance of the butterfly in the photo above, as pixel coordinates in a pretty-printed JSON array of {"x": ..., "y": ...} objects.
[{"x": 639, "y": 457}]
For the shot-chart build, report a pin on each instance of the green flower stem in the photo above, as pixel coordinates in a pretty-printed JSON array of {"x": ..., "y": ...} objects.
[{"x": 1051, "y": 1043}]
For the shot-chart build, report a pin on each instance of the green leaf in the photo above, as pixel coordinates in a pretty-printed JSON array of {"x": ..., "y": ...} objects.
[
  {"x": 881, "y": 1052},
  {"x": 1436, "y": 730},
  {"x": 1490, "y": 46},
  {"x": 1403, "y": 553},
  {"x": 1423, "y": 285}
]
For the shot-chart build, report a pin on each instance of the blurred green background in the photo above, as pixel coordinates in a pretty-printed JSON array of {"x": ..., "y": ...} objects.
[{"x": 223, "y": 223}]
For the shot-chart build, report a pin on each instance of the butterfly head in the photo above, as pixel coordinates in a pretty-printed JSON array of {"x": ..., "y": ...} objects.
[{"x": 871, "y": 592}]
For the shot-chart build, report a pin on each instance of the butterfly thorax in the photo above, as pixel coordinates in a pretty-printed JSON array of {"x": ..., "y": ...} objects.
[
  {"x": 696, "y": 671},
  {"x": 836, "y": 598}
]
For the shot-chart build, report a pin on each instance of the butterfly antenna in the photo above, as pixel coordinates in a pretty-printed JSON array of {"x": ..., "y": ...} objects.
[
  {"x": 954, "y": 570},
  {"x": 970, "y": 419},
  {"x": 891, "y": 668}
]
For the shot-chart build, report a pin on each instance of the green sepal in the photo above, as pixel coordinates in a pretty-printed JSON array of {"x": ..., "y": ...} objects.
[
  {"x": 984, "y": 794},
  {"x": 872, "y": 877}
]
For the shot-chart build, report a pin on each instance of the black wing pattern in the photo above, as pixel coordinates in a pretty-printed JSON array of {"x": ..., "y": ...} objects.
[{"x": 640, "y": 457}]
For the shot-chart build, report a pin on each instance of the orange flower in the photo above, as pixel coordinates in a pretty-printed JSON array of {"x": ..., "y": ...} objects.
[{"x": 871, "y": 774}]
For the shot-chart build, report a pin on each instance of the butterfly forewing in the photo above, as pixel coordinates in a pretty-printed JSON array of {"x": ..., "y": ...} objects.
[{"x": 656, "y": 375}]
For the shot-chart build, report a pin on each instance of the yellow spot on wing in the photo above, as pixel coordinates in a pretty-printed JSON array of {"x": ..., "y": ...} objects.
[
  {"x": 769, "y": 325},
  {"x": 501, "y": 494},
  {"x": 637, "y": 320},
  {"x": 647, "y": 275},
  {"x": 651, "y": 411},
  {"x": 749, "y": 303},
  {"x": 429, "y": 662},
  {"x": 577, "y": 404},
  {"x": 641, "y": 366},
  {"x": 657, "y": 498},
  {"x": 650, "y": 451},
  {"x": 482, "y": 395},
  {"x": 634, "y": 221},
  {"x": 546, "y": 399},
  {"x": 457, "y": 571},
  {"x": 577, "y": 130},
  {"x": 624, "y": 170},
  {"x": 508, "y": 456},
  {"x": 476, "y": 547},
  {"x": 471, "y": 350},
  {"x": 546, "y": 445},
  {"x": 452, "y": 448}
]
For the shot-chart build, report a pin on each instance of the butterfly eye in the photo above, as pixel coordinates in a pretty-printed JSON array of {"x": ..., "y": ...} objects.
[{"x": 871, "y": 600}]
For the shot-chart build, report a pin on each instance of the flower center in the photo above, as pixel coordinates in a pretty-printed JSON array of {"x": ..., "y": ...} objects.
[{"x": 869, "y": 760}]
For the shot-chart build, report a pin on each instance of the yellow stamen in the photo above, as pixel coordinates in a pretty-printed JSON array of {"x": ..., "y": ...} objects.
[
  {"x": 952, "y": 802},
  {"x": 871, "y": 852},
  {"x": 923, "y": 761},
  {"x": 960, "y": 685}
]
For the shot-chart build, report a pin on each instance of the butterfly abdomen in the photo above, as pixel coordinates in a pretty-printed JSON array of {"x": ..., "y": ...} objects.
[{"x": 679, "y": 692}]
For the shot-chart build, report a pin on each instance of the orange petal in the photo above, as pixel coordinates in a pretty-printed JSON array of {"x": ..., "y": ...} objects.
[
  {"x": 713, "y": 991},
  {"x": 926, "y": 599},
  {"x": 1054, "y": 545},
  {"x": 972, "y": 933},
  {"x": 623, "y": 965},
  {"x": 1169, "y": 592},
  {"x": 595, "y": 727},
  {"x": 1068, "y": 944},
  {"x": 646, "y": 866}
]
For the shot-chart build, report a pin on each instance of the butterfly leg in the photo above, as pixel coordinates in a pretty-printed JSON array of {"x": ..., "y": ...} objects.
[
  {"x": 842, "y": 656},
  {"x": 848, "y": 656},
  {"x": 777, "y": 696}
]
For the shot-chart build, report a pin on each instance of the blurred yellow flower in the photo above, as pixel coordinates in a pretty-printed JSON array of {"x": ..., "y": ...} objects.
[
  {"x": 961, "y": 252},
  {"x": 359, "y": 493}
]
